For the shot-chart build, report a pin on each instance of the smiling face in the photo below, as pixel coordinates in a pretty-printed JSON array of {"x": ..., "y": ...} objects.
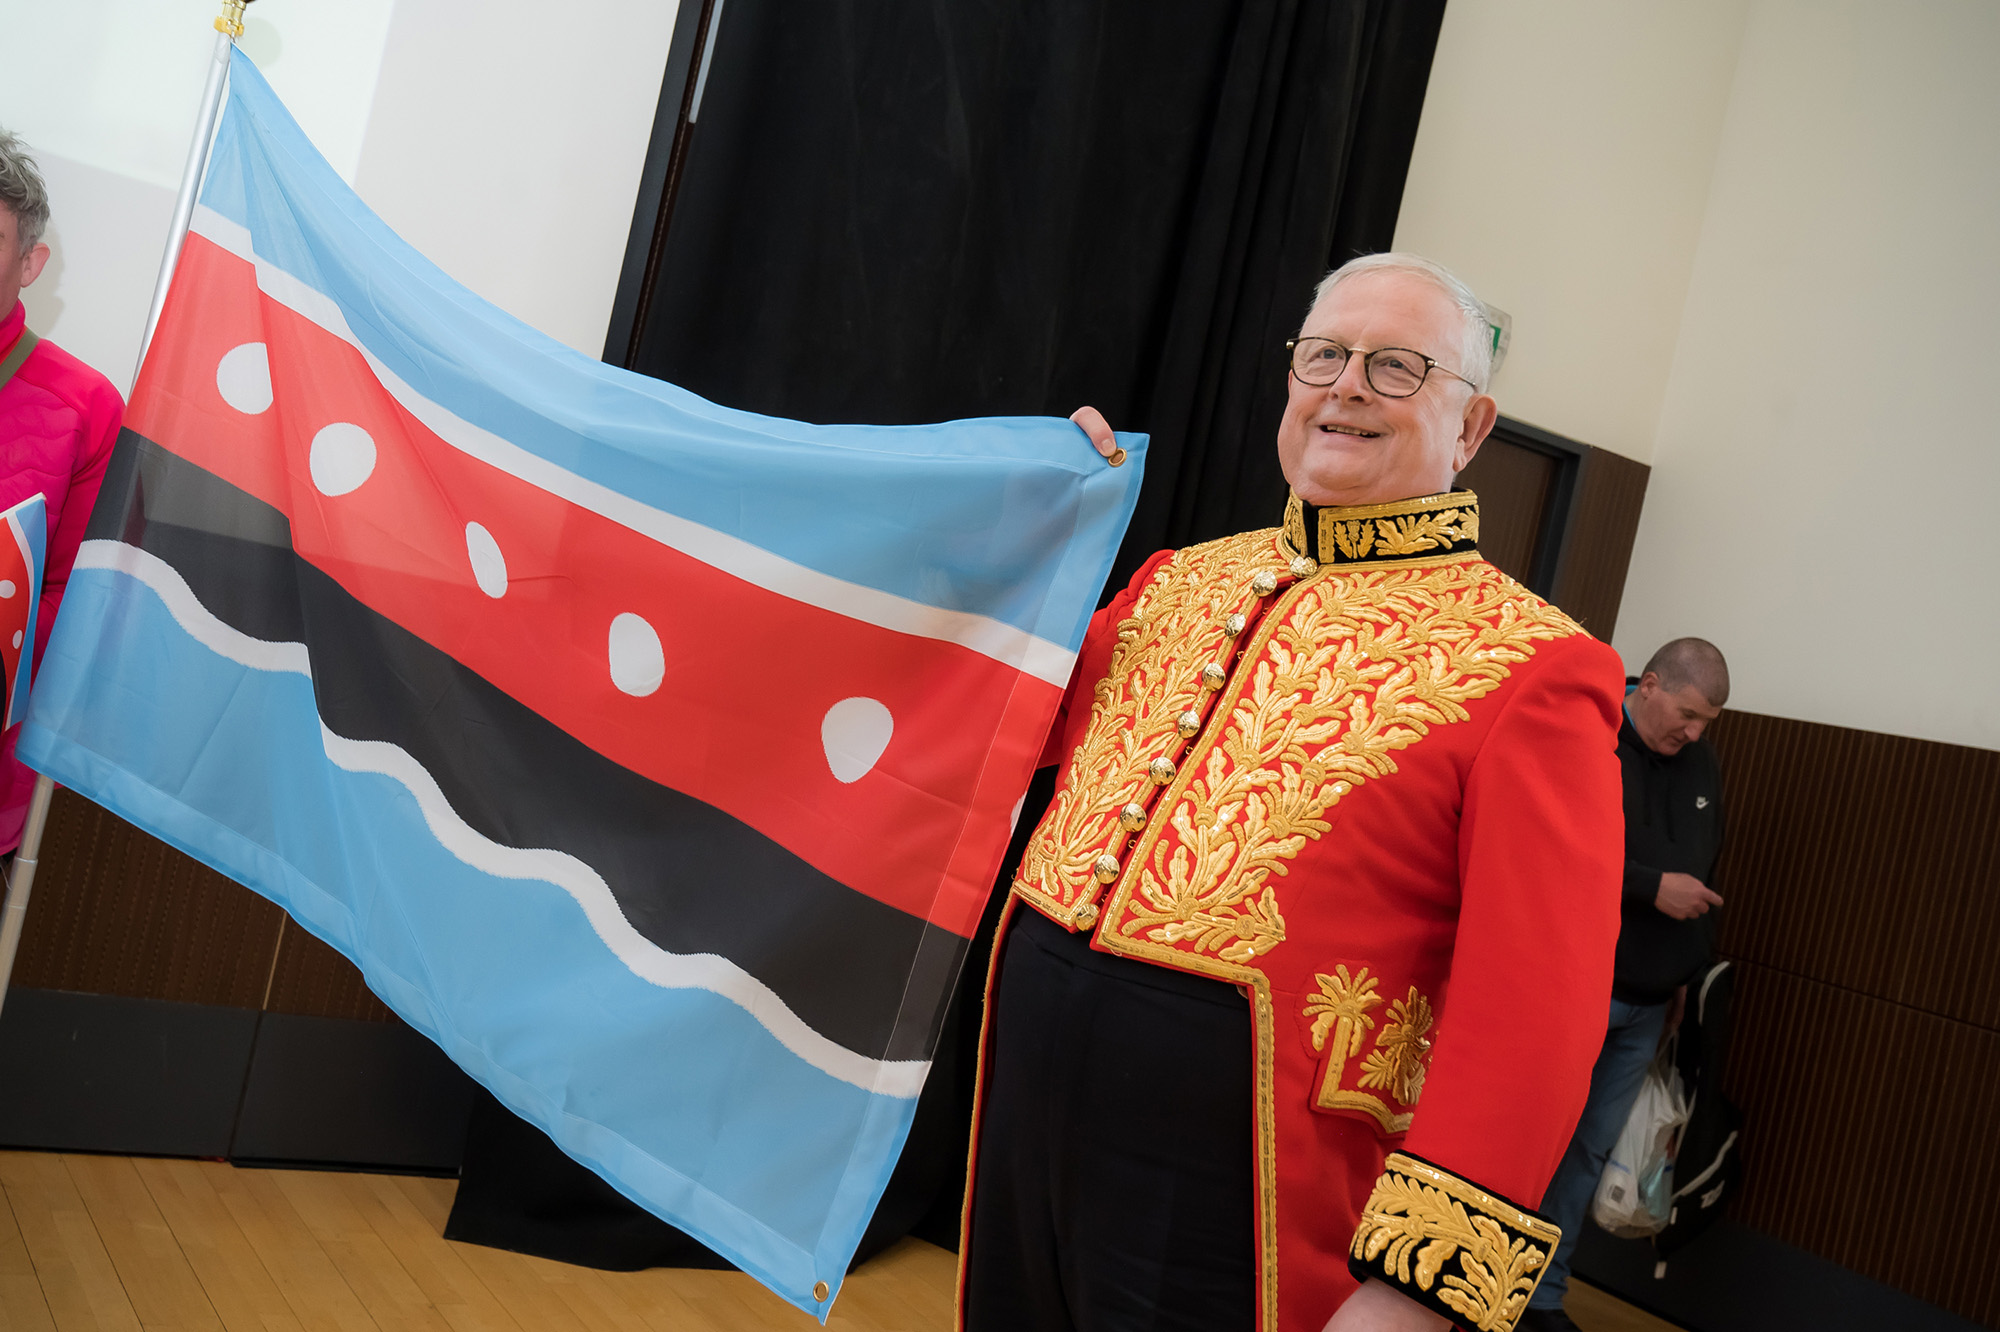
[{"x": 1343, "y": 443}]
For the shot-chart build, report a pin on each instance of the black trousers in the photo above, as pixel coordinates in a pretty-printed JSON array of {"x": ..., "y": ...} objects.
[{"x": 1113, "y": 1189}]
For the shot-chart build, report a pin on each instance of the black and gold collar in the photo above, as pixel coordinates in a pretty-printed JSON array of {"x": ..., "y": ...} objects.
[{"x": 1413, "y": 529}]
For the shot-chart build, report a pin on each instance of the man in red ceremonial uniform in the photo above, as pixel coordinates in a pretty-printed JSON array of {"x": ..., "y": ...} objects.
[
  {"x": 1303, "y": 973},
  {"x": 58, "y": 421}
]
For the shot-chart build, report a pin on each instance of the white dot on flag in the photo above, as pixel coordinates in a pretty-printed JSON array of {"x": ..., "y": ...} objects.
[
  {"x": 854, "y": 732},
  {"x": 243, "y": 377},
  {"x": 638, "y": 663},
  {"x": 7, "y": 588},
  {"x": 489, "y": 566},
  {"x": 17, "y": 638},
  {"x": 342, "y": 457}
]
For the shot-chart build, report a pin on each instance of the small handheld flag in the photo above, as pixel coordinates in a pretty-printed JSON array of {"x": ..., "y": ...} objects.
[
  {"x": 653, "y": 758},
  {"x": 21, "y": 556}
]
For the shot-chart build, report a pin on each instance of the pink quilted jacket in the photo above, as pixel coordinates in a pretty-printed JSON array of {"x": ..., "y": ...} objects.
[{"x": 58, "y": 421}]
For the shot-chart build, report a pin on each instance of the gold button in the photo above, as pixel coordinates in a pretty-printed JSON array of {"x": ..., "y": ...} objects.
[
  {"x": 1188, "y": 723},
  {"x": 1304, "y": 566},
  {"x": 1162, "y": 771},
  {"x": 1213, "y": 676},
  {"x": 1132, "y": 818},
  {"x": 1234, "y": 624},
  {"x": 1105, "y": 868},
  {"x": 1086, "y": 915},
  {"x": 820, "y": 1291},
  {"x": 1264, "y": 584}
]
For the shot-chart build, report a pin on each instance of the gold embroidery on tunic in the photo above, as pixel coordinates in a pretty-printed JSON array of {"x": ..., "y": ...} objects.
[
  {"x": 1178, "y": 624},
  {"x": 1354, "y": 540},
  {"x": 1447, "y": 524},
  {"x": 1397, "y": 1062},
  {"x": 1402, "y": 1052},
  {"x": 1418, "y": 1211},
  {"x": 1341, "y": 1005},
  {"x": 1420, "y": 532},
  {"x": 1354, "y": 666}
]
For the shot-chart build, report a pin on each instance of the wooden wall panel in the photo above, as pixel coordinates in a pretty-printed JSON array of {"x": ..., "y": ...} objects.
[
  {"x": 1868, "y": 861},
  {"x": 312, "y": 980},
  {"x": 1862, "y": 879},
  {"x": 1513, "y": 485},
  {"x": 115, "y": 912},
  {"x": 1869, "y": 1136},
  {"x": 1604, "y": 522}
]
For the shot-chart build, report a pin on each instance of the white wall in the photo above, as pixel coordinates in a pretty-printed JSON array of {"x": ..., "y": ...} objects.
[
  {"x": 1822, "y": 495},
  {"x": 106, "y": 96},
  {"x": 506, "y": 143},
  {"x": 503, "y": 140},
  {"x": 1561, "y": 167}
]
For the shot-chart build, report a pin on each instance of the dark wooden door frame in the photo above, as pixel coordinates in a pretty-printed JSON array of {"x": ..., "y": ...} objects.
[{"x": 1553, "y": 539}]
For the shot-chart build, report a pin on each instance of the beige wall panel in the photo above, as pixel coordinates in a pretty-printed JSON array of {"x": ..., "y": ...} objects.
[
  {"x": 1561, "y": 168},
  {"x": 1828, "y": 447},
  {"x": 506, "y": 144}
]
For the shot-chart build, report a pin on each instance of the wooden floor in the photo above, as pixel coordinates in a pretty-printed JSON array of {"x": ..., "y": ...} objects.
[{"x": 119, "y": 1242}]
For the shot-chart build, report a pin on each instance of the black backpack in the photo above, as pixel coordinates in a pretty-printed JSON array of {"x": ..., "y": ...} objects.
[{"x": 1707, "y": 1167}]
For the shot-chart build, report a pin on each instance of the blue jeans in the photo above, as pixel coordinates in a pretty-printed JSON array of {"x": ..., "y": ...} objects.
[{"x": 1629, "y": 1043}]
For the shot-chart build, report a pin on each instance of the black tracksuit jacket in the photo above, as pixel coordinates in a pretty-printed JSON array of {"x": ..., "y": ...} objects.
[{"x": 1673, "y": 821}]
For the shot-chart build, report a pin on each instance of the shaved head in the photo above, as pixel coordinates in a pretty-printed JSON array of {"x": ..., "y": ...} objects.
[{"x": 1692, "y": 662}]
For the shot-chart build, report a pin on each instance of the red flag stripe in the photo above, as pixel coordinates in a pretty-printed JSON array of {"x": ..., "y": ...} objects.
[{"x": 729, "y": 707}]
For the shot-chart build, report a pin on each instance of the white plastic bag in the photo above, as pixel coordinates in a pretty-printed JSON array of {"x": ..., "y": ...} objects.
[{"x": 1635, "y": 1193}]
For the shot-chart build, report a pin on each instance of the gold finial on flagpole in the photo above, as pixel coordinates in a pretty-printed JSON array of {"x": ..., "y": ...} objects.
[{"x": 230, "y": 24}]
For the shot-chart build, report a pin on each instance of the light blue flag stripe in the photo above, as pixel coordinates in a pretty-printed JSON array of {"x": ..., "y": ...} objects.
[{"x": 772, "y": 1162}]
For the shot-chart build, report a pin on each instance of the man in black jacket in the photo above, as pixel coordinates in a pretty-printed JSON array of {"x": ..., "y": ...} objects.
[{"x": 1673, "y": 831}]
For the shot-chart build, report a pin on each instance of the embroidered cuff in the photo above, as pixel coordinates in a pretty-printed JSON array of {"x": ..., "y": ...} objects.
[{"x": 1454, "y": 1248}]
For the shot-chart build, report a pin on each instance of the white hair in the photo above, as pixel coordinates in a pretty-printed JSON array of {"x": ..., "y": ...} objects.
[{"x": 1476, "y": 347}]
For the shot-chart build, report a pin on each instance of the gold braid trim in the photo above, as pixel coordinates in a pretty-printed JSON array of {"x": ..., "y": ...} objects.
[
  {"x": 1427, "y": 527},
  {"x": 1178, "y": 625},
  {"x": 1352, "y": 667},
  {"x": 1477, "y": 1257}
]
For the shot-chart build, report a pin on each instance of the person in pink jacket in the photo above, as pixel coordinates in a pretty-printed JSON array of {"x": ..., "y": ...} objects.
[{"x": 58, "y": 421}]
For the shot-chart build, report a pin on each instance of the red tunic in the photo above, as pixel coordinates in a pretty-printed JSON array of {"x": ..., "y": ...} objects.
[
  {"x": 1378, "y": 791},
  {"x": 58, "y": 421}
]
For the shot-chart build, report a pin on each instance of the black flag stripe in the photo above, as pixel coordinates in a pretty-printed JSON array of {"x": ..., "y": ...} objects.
[{"x": 689, "y": 877}]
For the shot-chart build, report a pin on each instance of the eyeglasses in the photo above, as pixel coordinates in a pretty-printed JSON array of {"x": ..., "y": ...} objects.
[{"x": 1393, "y": 372}]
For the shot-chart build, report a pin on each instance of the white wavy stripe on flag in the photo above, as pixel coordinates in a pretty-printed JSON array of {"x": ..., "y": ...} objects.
[
  {"x": 1025, "y": 652},
  {"x": 645, "y": 959}
]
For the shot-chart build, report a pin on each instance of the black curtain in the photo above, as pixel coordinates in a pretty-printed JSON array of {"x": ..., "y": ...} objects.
[
  {"x": 902, "y": 213},
  {"x": 905, "y": 213}
]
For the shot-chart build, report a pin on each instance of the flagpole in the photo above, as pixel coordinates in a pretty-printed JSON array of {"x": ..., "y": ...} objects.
[
  {"x": 21, "y": 876},
  {"x": 227, "y": 29}
]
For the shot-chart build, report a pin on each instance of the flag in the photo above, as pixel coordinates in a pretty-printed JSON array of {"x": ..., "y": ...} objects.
[
  {"x": 21, "y": 555},
  {"x": 653, "y": 758}
]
